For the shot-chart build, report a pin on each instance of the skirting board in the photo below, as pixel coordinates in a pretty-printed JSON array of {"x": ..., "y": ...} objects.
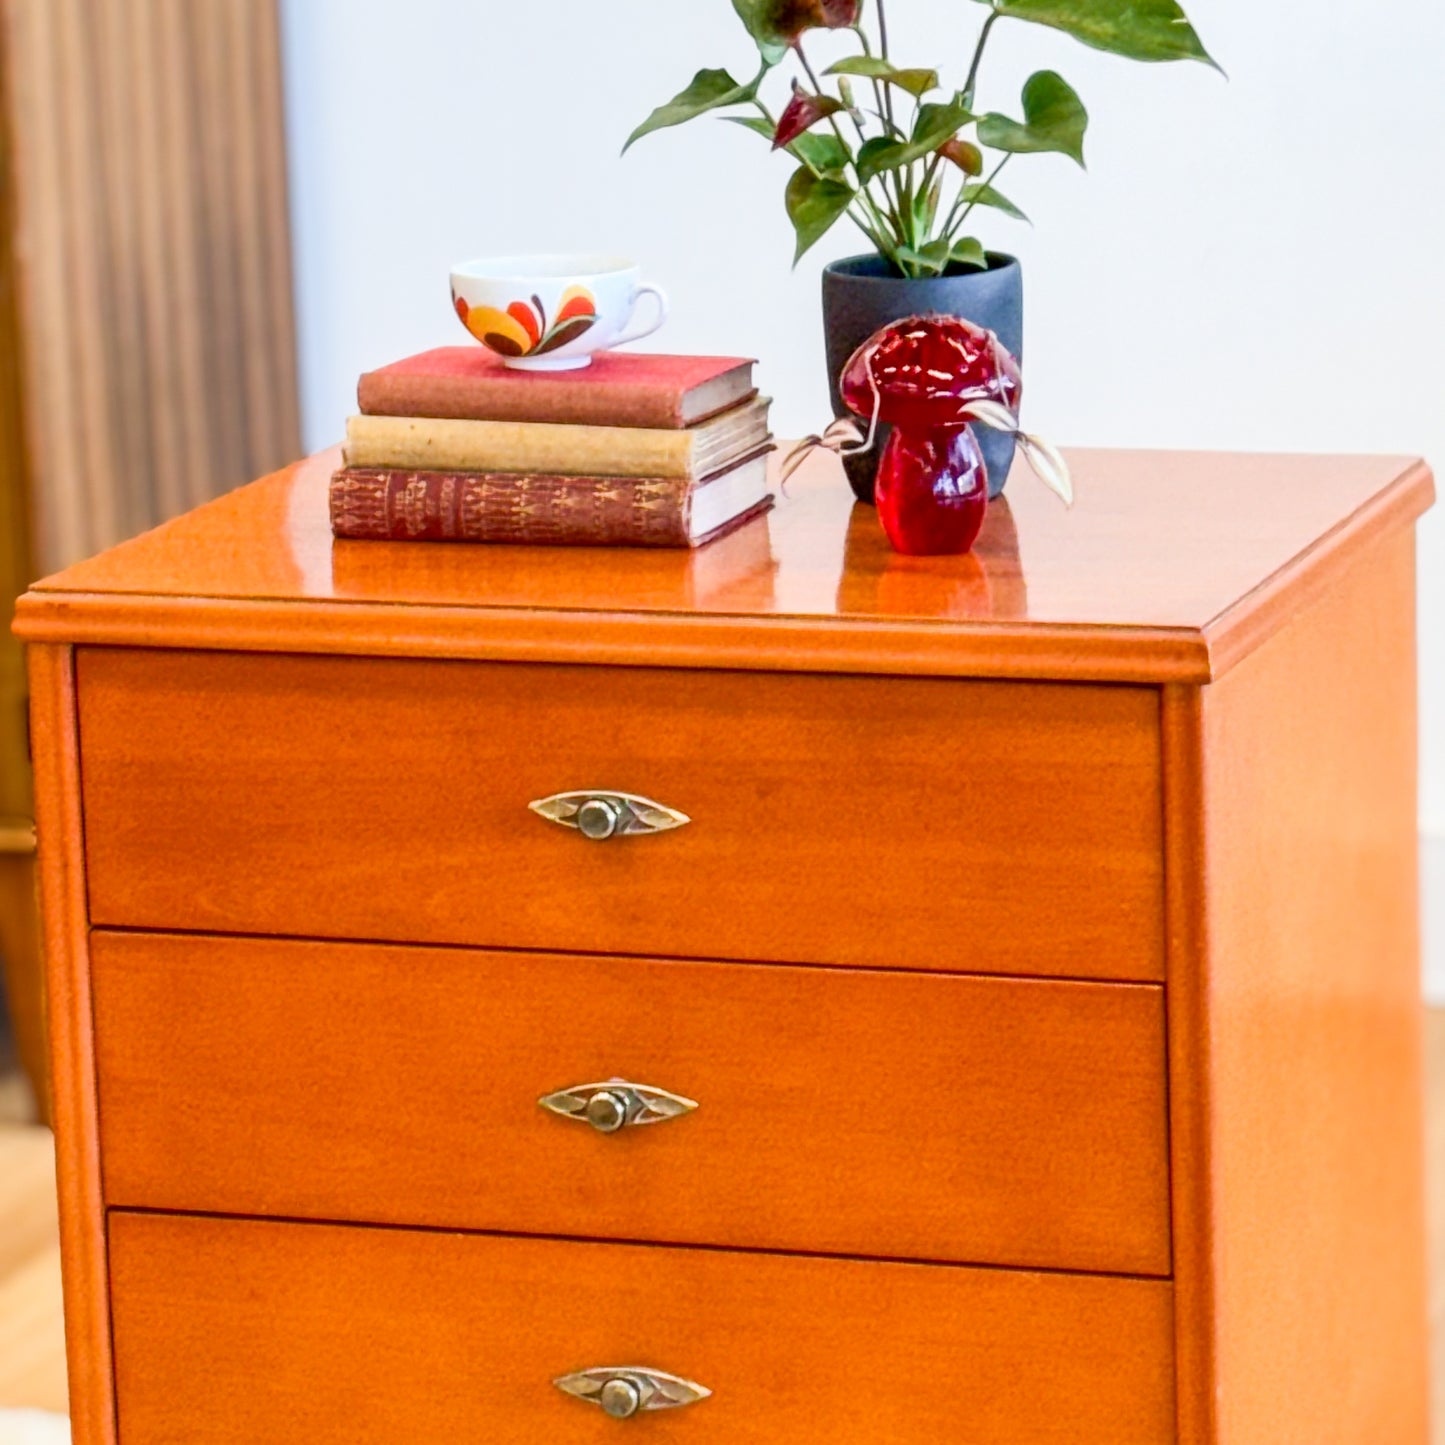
[{"x": 1432, "y": 899}]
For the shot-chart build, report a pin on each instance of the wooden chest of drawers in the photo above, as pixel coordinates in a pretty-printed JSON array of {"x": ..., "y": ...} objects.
[{"x": 987, "y": 1009}]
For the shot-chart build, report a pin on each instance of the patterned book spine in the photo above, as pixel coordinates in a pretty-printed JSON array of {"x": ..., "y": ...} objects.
[{"x": 426, "y": 506}]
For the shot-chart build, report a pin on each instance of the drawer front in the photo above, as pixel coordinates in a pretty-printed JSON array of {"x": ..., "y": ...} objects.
[
  {"x": 926, "y": 824},
  {"x": 854, "y": 1111},
  {"x": 235, "y": 1332}
]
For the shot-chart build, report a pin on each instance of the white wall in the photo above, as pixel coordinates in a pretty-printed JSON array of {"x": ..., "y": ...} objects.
[{"x": 1251, "y": 264}]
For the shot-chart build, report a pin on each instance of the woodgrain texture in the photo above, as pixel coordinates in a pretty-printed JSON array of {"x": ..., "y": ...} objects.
[
  {"x": 845, "y": 1111},
  {"x": 968, "y": 827},
  {"x": 1191, "y": 1119},
  {"x": 315, "y": 1335},
  {"x": 30, "y": 1298},
  {"x": 153, "y": 272},
  {"x": 1245, "y": 818},
  {"x": 1171, "y": 567},
  {"x": 1294, "y": 984},
  {"x": 72, "y": 1052}
]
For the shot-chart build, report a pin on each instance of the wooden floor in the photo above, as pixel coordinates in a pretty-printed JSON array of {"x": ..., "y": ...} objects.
[
  {"x": 32, "y": 1355},
  {"x": 32, "y": 1360}
]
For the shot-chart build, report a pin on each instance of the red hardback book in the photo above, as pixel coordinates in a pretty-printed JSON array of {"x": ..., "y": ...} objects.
[
  {"x": 396, "y": 505},
  {"x": 618, "y": 389}
]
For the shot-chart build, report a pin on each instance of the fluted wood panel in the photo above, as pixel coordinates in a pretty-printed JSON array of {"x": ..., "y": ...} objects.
[
  {"x": 19, "y": 934},
  {"x": 154, "y": 260},
  {"x": 147, "y": 350},
  {"x": 14, "y": 519}
]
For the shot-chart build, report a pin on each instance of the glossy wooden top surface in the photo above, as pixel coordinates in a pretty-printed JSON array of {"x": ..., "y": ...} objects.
[{"x": 1169, "y": 565}]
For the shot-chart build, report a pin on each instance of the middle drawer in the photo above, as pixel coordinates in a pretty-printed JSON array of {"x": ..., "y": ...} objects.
[{"x": 850, "y": 1111}]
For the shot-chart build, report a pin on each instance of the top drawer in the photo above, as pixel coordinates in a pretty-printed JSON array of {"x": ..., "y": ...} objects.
[{"x": 963, "y": 826}]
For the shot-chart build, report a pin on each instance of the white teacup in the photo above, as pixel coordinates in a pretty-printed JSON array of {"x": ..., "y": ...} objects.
[{"x": 550, "y": 313}]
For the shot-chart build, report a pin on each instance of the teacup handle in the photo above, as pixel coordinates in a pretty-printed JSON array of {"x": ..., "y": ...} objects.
[{"x": 661, "y": 298}]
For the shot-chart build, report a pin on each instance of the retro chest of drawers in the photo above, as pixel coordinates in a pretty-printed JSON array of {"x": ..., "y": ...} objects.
[{"x": 967, "y": 1000}]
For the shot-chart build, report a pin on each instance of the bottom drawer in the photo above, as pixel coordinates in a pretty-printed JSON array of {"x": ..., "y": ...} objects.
[{"x": 240, "y": 1331}]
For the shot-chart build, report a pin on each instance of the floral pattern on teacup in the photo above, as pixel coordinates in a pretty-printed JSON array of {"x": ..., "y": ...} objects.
[{"x": 522, "y": 329}]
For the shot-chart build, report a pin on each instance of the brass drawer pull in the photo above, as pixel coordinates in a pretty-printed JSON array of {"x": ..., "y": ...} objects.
[
  {"x": 600, "y": 815},
  {"x": 616, "y": 1105},
  {"x": 624, "y": 1391}
]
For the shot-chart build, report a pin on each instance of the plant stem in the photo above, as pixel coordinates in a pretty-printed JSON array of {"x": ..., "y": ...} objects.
[
  {"x": 881, "y": 218},
  {"x": 862, "y": 191},
  {"x": 883, "y": 51},
  {"x": 818, "y": 90},
  {"x": 954, "y": 218},
  {"x": 877, "y": 84},
  {"x": 882, "y": 104},
  {"x": 929, "y": 171},
  {"x": 971, "y": 83},
  {"x": 885, "y": 218},
  {"x": 878, "y": 241},
  {"x": 887, "y": 124}
]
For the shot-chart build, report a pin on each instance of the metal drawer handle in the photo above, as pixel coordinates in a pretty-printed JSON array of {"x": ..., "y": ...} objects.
[
  {"x": 616, "y": 1105},
  {"x": 625, "y": 1391},
  {"x": 599, "y": 815}
]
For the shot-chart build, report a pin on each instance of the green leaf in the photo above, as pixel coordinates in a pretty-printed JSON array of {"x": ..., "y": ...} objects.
[
  {"x": 1137, "y": 29},
  {"x": 873, "y": 66},
  {"x": 823, "y": 153},
  {"x": 813, "y": 206},
  {"x": 1054, "y": 120},
  {"x": 916, "y": 82},
  {"x": 986, "y": 195},
  {"x": 968, "y": 252},
  {"x": 878, "y": 155},
  {"x": 936, "y": 123},
  {"x": 925, "y": 206},
  {"x": 757, "y": 15},
  {"x": 751, "y": 122},
  {"x": 930, "y": 260},
  {"x": 710, "y": 89}
]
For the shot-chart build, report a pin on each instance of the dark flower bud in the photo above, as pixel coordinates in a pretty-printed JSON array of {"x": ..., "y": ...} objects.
[
  {"x": 801, "y": 112},
  {"x": 792, "y": 17}
]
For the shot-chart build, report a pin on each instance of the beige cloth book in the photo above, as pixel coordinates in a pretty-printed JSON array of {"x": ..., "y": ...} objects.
[{"x": 434, "y": 444}]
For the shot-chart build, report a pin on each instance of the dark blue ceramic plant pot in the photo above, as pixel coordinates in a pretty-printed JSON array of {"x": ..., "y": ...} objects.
[{"x": 862, "y": 294}]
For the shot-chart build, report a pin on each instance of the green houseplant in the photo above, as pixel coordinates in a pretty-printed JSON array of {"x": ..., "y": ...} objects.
[{"x": 912, "y": 162}]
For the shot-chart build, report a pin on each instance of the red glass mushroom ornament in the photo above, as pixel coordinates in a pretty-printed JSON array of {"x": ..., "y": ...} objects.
[{"x": 929, "y": 377}]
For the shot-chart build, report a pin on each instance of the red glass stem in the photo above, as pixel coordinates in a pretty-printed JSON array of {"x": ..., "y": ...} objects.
[{"x": 932, "y": 490}]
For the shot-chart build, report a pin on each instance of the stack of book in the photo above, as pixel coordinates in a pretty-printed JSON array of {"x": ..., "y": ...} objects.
[{"x": 634, "y": 450}]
